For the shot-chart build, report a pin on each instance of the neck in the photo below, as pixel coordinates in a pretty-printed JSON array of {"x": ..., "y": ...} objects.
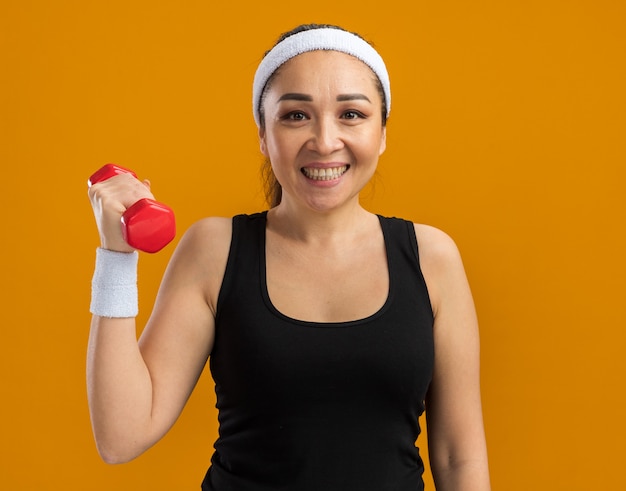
[{"x": 312, "y": 226}]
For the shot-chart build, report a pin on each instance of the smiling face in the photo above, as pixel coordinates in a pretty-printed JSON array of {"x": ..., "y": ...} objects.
[{"x": 323, "y": 129}]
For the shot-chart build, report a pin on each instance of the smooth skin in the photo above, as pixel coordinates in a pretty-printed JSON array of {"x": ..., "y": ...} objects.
[{"x": 322, "y": 111}]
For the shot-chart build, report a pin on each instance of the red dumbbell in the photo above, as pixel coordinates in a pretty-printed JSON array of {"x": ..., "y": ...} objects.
[{"x": 147, "y": 225}]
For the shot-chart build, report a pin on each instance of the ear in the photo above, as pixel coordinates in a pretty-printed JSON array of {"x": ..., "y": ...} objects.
[
  {"x": 263, "y": 142},
  {"x": 383, "y": 141}
]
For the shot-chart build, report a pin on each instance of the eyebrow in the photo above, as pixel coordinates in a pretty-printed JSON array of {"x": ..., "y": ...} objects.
[
  {"x": 295, "y": 96},
  {"x": 352, "y": 97}
]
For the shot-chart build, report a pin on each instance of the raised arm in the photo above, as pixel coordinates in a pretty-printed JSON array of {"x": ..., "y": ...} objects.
[
  {"x": 456, "y": 439},
  {"x": 137, "y": 390}
]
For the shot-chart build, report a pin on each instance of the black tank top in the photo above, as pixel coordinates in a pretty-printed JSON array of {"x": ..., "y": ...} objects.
[{"x": 306, "y": 406}]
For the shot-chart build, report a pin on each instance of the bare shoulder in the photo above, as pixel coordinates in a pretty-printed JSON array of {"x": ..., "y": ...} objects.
[
  {"x": 203, "y": 253},
  {"x": 214, "y": 230},
  {"x": 436, "y": 247},
  {"x": 441, "y": 263},
  {"x": 207, "y": 240}
]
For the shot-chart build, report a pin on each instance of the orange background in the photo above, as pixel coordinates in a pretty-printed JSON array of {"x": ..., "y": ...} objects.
[{"x": 507, "y": 131}]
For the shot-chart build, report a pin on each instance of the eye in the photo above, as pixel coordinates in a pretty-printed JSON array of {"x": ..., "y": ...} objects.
[
  {"x": 294, "y": 116},
  {"x": 352, "y": 115}
]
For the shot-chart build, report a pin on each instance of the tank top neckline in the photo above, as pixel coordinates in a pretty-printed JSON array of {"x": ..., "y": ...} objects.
[{"x": 304, "y": 323}]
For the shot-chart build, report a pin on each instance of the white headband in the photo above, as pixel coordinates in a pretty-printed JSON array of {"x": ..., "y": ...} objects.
[{"x": 313, "y": 40}]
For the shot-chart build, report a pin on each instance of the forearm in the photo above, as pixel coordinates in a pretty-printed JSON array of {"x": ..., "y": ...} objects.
[{"x": 119, "y": 390}]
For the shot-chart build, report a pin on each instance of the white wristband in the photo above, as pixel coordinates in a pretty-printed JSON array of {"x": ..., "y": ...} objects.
[{"x": 114, "y": 284}]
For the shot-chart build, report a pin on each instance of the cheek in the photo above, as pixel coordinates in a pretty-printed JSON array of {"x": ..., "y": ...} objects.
[
  {"x": 270, "y": 145},
  {"x": 373, "y": 145},
  {"x": 276, "y": 146}
]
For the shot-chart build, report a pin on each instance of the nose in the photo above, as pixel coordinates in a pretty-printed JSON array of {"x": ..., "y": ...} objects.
[{"x": 326, "y": 137}]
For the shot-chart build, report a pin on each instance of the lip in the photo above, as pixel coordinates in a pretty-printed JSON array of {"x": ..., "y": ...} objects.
[{"x": 324, "y": 165}]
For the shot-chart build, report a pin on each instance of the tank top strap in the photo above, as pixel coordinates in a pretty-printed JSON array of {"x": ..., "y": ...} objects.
[
  {"x": 243, "y": 263},
  {"x": 400, "y": 237},
  {"x": 403, "y": 256}
]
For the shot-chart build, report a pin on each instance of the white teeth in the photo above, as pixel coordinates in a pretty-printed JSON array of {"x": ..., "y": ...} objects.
[{"x": 324, "y": 174}]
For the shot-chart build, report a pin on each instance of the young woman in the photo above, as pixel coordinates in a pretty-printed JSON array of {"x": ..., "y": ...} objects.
[{"x": 329, "y": 329}]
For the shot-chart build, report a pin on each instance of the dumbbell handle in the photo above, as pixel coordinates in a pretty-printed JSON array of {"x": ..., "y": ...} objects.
[{"x": 147, "y": 225}]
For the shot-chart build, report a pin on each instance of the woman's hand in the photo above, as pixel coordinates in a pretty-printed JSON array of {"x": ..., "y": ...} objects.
[{"x": 109, "y": 200}]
